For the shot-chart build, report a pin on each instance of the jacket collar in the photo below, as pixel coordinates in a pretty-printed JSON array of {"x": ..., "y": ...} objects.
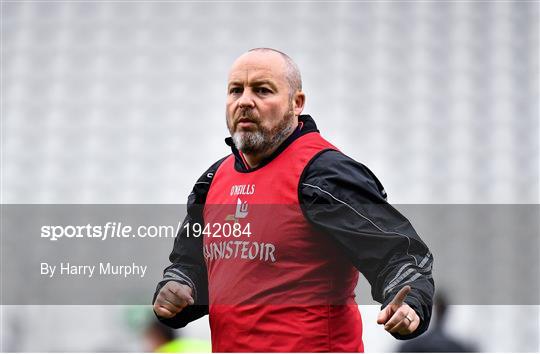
[{"x": 306, "y": 124}]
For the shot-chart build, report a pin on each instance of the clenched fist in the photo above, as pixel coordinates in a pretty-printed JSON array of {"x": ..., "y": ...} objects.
[{"x": 172, "y": 299}]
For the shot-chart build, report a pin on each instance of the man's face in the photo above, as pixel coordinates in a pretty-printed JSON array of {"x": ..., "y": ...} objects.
[{"x": 259, "y": 109}]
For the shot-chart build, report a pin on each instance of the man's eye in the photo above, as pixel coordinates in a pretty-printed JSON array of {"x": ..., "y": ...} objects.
[
  {"x": 235, "y": 90},
  {"x": 263, "y": 90}
]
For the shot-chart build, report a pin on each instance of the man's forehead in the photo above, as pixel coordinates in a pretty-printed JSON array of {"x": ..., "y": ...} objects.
[
  {"x": 253, "y": 66},
  {"x": 253, "y": 74}
]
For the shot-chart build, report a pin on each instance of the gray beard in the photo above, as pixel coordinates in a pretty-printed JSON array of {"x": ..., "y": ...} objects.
[{"x": 263, "y": 140}]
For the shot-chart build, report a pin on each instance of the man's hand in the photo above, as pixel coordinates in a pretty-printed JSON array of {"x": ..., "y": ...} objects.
[
  {"x": 172, "y": 299},
  {"x": 398, "y": 317}
]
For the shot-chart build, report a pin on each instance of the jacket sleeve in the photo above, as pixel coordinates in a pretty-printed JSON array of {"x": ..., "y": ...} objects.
[
  {"x": 343, "y": 199},
  {"x": 187, "y": 262}
]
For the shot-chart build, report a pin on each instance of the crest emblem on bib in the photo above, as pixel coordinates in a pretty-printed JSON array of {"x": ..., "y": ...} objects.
[{"x": 241, "y": 211}]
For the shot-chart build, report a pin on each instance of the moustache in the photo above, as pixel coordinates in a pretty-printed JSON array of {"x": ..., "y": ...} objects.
[{"x": 247, "y": 116}]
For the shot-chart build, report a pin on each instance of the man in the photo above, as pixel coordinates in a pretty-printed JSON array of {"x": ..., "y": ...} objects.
[{"x": 307, "y": 219}]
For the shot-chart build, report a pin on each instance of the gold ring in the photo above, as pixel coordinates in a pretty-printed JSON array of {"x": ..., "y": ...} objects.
[{"x": 407, "y": 317}]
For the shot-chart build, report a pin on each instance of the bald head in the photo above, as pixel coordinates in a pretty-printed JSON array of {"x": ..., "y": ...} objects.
[{"x": 291, "y": 70}]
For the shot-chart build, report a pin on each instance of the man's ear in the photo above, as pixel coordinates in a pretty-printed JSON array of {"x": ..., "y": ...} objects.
[{"x": 299, "y": 100}]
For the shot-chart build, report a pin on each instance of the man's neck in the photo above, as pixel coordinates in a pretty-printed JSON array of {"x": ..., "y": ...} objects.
[{"x": 254, "y": 160}]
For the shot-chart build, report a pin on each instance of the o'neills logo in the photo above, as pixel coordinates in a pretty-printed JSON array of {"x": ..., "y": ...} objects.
[{"x": 243, "y": 189}]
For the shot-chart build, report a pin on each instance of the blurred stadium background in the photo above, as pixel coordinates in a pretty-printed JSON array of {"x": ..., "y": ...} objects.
[{"x": 123, "y": 102}]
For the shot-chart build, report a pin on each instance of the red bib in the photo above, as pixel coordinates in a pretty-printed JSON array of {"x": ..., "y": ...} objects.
[{"x": 275, "y": 283}]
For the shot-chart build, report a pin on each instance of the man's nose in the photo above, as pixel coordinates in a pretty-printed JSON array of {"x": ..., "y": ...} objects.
[{"x": 246, "y": 99}]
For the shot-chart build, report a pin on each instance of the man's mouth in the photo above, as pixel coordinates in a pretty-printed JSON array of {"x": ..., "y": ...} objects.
[{"x": 245, "y": 123}]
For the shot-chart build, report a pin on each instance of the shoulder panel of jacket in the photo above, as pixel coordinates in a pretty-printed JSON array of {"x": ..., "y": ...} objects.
[
  {"x": 187, "y": 262},
  {"x": 343, "y": 199}
]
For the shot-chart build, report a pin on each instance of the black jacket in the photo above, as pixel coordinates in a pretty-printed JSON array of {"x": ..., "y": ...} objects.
[{"x": 341, "y": 198}]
